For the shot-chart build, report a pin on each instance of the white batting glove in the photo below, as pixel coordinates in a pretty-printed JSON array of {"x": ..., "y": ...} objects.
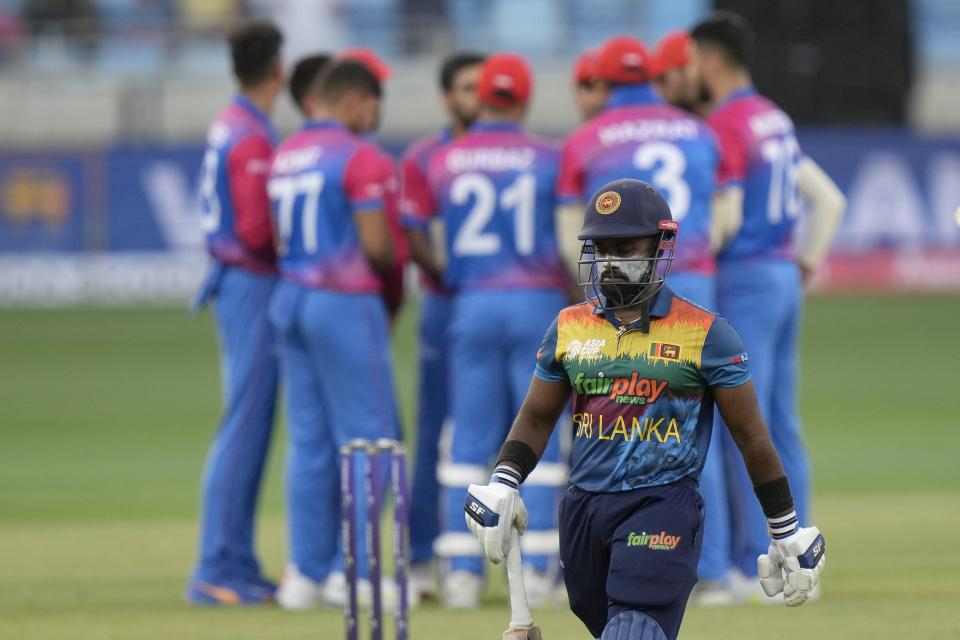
[
  {"x": 491, "y": 511},
  {"x": 793, "y": 565},
  {"x": 770, "y": 571}
]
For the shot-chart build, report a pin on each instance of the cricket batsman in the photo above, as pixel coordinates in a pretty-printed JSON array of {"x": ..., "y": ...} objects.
[
  {"x": 458, "y": 84},
  {"x": 761, "y": 270},
  {"x": 493, "y": 189},
  {"x": 644, "y": 368},
  {"x": 639, "y": 135},
  {"x": 236, "y": 219}
]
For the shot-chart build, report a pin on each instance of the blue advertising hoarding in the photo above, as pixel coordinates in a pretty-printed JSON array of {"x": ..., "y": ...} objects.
[
  {"x": 903, "y": 190},
  {"x": 45, "y": 201}
]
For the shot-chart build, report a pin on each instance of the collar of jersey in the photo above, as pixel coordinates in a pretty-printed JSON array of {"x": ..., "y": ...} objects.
[
  {"x": 659, "y": 308},
  {"x": 746, "y": 92},
  {"x": 629, "y": 95},
  {"x": 497, "y": 125},
  {"x": 247, "y": 105},
  {"x": 324, "y": 123},
  {"x": 446, "y": 135}
]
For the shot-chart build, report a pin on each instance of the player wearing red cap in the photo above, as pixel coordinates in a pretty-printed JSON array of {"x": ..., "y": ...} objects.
[
  {"x": 459, "y": 75},
  {"x": 393, "y": 280},
  {"x": 494, "y": 191},
  {"x": 637, "y": 135},
  {"x": 372, "y": 61},
  {"x": 587, "y": 90},
  {"x": 673, "y": 76}
]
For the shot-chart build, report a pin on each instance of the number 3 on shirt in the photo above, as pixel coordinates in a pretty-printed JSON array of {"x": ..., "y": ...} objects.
[
  {"x": 669, "y": 176},
  {"x": 471, "y": 239},
  {"x": 284, "y": 193}
]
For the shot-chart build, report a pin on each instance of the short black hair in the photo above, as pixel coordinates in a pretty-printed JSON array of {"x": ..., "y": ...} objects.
[
  {"x": 340, "y": 77},
  {"x": 454, "y": 64},
  {"x": 254, "y": 49},
  {"x": 304, "y": 73},
  {"x": 729, "y": 32}
]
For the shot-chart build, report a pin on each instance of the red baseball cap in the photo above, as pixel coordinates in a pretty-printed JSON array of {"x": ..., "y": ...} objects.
[
  {"x": 585, "y": 68},
  {"x": 373, "y": 62},
  {"x": 623, "y": 60},
  {"x": 505, "y": 80},
  {"x": 673, "y": 52}
]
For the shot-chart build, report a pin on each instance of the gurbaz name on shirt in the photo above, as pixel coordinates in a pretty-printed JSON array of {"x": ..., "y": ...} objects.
[{"x": 652, "y": 429}]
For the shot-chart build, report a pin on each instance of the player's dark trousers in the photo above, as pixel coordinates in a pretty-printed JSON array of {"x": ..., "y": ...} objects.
[{"x": 631, "y": 550}]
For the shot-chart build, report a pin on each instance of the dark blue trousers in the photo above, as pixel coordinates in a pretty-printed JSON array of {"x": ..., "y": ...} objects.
[{"x": 631, "y": 550}]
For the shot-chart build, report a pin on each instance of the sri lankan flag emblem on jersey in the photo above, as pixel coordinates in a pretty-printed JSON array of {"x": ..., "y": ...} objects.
[{"x": 664, "y": 350}]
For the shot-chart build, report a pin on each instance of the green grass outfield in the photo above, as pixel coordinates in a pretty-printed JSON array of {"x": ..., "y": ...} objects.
[{"x": 105, "y": 416}]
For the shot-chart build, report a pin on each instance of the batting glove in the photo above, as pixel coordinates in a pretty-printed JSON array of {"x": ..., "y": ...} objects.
[
  {"x": 792, "y": 564},
  {"x": 491, "y": 511}
]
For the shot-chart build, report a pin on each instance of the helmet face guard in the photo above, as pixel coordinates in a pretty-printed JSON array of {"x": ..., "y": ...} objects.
[{"x": 644, "y": 276}]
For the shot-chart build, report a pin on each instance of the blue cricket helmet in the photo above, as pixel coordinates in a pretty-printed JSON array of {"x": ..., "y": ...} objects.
[{"x": 626, "y": 208}]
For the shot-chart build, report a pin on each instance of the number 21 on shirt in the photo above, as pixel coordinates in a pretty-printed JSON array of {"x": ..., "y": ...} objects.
[{"x": 473, "y": 238}]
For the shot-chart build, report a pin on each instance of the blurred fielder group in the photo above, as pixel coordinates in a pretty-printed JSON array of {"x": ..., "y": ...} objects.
[{"x": 310, "y": 236}]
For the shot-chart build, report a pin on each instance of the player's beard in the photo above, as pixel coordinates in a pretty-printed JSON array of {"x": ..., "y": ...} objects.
[
  {"x": 704, "y": 96},
  {"x": 623, "y": 285},
  {"x": 465, "y": 122},
  {"x": 464, "y": 117},
  {"x": 621, "y": 294}
]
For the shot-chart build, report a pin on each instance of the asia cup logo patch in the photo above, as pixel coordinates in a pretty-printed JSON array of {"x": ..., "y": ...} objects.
[
  {"x": 608, "y": 202},
  {"x": 590, "y": 348}
]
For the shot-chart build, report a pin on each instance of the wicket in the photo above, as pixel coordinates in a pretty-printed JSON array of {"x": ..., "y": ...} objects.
[{"x": 373, "y": 456}]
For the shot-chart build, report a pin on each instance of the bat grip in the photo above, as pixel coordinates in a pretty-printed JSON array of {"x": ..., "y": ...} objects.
[{"x": 520, "y": 617}]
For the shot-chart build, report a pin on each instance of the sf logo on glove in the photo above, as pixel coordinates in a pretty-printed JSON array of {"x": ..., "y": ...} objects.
[
  {"x": 491, "y": 512},
  {"x": 479, "y": 512}
]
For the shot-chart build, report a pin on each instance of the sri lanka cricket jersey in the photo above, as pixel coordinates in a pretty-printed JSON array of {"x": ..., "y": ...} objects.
[
  {"x": 759, "y": 152},
  {"x": 642, "y": 407},
  {"x": 319, "y": 178},
  {"x": 235, "y": 211},
  {"x": 639, "y": 136},
  {"x": 495, "y": 190}
]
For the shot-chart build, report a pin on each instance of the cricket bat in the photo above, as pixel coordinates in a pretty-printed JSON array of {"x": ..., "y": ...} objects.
[{"x": 521, "y": 620}]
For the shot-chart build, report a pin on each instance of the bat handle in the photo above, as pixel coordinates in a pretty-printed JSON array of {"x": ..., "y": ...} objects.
[{"x": 520, "y": 617}]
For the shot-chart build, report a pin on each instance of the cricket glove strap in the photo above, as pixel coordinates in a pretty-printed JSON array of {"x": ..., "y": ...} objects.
[
  {"x": 793, "y": 565},
  {"x": 491, "y": 512}
]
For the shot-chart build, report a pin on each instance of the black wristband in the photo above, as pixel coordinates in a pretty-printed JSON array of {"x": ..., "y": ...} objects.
[
  {"x": 775, "y": 497},
  {"x": 518, "y": 455}
]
